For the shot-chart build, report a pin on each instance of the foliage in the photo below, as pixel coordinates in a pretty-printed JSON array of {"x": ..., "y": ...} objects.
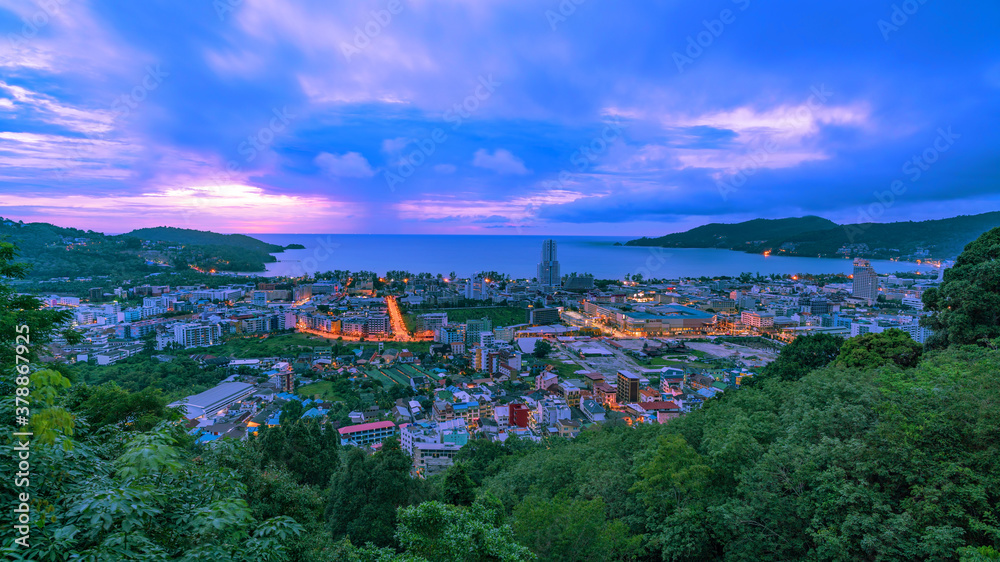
[
  {"x": 304, "y": 448},
  {"x": 967, "y": 304},
  {"x": 109, "y": 404},
  {"x": 542, "y": 349},
  {"x": 457, "y": 487},
  {"x": 891, "y": 347},
  {"x": 567, "y": 530},
  {"x": 812, "y": 236},
  {"x": 445, "y": 533},
  {"x": 366, "y": 490},
  {"x": 802, "y": 356},
  {"x": 179, "y": 377}
]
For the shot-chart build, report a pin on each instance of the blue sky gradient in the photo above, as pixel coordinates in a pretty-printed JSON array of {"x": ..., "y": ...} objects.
[{"x": 482, "y": 116}]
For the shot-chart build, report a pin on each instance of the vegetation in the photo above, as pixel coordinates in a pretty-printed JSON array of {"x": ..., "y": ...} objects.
[
  {"x": 803, "y": 355},
  {"x": 856, "y": 450},
  {"x": 542, "y": 349},
  {"x": 892, "y": 347},
  {"x": 51, "y": 251},
  {"x": 176, "y": 378},
  {"x": 498, "y": 315},
  {"x": 967, "y": 304},
  {"x": 737, "y": 236},
  {"x": 813, "y": 236}
]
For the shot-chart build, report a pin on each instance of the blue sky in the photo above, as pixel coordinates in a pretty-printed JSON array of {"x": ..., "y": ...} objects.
[{"x": 495, "y": 117}]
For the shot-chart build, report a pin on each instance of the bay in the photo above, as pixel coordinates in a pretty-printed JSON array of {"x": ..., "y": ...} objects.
[{"x": 518, "y": 256}]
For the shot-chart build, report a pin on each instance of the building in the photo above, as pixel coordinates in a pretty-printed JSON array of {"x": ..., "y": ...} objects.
[
  {"x": 433, "y": 446},
  {"x": 818, "y": 306},
  {"x": 756, "y": 319},
  {"x": 865, "y": 281},
  {"x": 544, "y": 316},
  {"x": 474, "y": 327},
  {"x": 260, "y": 298},
  {"x": 197, "y": 335},
  {"x": 366, "y": 433},
  {"x": 592, "y": 410},
  {"x": 628, "y": 388},
  {"x": 548, "y": 268},
  {"x": 96, "y": 294},
  {"x": 551, "y": 409},
  {"x": 432, "y": 322},
  {"x": 214, "y": 400},
  {"x": 476, "y": 289},
  {"x": 519, "y": 416}
]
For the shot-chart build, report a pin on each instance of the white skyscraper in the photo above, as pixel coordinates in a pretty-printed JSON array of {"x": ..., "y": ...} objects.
[
  {"x": 865, "y": 281},
  {"x": 548, "y": 268}
]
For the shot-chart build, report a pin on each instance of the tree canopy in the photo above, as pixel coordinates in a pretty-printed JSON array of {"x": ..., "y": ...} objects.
[{"x": 967, "y": 304}]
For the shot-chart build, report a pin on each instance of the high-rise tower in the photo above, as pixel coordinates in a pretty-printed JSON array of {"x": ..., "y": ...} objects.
[
  {"x": 548, "y": 268},
  {"x": 865, "y": 281}
]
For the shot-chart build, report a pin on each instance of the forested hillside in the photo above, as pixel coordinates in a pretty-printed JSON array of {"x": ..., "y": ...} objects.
[
  {"x": 813, "y": 236},
  {"x": 203, "y": 238},
  {"x": 53, "y": 251}
]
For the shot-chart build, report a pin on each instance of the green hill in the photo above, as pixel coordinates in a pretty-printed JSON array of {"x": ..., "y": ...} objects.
[
  {"x": 203, "y": 238},
  {"x": 738, "y": 235},
  {"x": 818, "y": 237},
  {"x": 52, "y": 251}
]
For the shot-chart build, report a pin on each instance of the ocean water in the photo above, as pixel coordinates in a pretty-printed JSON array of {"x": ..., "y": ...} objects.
[{"x": 518, "y": 256}]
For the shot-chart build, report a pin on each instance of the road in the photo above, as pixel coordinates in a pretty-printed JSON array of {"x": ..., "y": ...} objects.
[{"x": 399, "y": 330}]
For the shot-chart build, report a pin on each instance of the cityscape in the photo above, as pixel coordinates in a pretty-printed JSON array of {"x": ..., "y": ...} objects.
[{"x": 403, "y": 281}]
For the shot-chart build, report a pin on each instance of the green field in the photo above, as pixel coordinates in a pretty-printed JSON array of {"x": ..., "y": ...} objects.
[
  {"x": 254, "y": 345},
  {"x": 659, "y": 361},
  {"x": 395, "y": 374},
  {"x": 324, "y": 389},
  {"x": 562, "y": 369},
  {"x": 498, "y": 315}
]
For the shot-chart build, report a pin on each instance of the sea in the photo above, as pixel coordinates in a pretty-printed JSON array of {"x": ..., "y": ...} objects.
[{"x": 518, "y": 256}]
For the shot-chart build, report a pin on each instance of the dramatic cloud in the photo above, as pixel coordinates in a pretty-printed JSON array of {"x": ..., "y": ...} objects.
[{"x": 491, "y": 117}]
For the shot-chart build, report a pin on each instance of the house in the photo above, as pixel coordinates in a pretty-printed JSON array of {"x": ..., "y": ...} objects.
[
  {"x": 663, "y": 410},
  {"x": 366, "y": 433},
  {"x": 592, "y": 410},
  {"x": 568, "y": 428}
]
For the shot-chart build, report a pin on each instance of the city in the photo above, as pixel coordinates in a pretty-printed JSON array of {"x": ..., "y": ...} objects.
[
  {"x": 635, "y": 352},
  {"x": 481, "y": 281}
]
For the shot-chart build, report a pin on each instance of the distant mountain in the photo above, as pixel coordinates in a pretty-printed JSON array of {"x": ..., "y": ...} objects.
[
  {"x": 739, "y": 235},
  {"x": 203, "y": 238},
  {"x": 931, "y": 239}
]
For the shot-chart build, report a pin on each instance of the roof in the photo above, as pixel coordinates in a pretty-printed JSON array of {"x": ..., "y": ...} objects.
[
  {"x": 366, "y": 427},
  {"x": 214, "y": 398},
  {"x": 659, "y": 405}
]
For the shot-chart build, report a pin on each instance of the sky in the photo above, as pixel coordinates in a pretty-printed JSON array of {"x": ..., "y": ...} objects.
[{"x": 571, "y": 117}]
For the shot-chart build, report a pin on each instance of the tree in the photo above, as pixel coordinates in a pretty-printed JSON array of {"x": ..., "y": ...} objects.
[
  {"x": 967, "y": 304},
  {"x": 891, "y": 347},
  {"x": 564, "y": 530},
  {"x": 542, "y": 349},
  {"x": 291, "y": 411},
  {"x": 440, "y": 532},
  {"x": 365, "y": 491},
  {"x": 308, "y": 450},
  {"x": 458, "y": 488},
  {"x": 109, "y": 404},
  {"x": 802, "y": 356}
]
